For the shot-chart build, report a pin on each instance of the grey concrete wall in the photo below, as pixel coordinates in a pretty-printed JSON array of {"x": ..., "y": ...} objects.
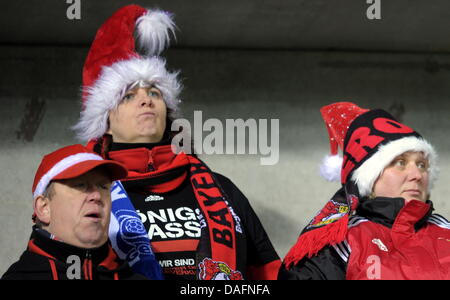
[{"x": 39, "y": 96}]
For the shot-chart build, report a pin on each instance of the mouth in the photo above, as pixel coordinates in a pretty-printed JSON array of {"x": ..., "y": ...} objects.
[
  {"x": 147, "y": 114},
  {"x": 93, "y": 216},
  {"x": 413, "y": 194},
  {"x": 413, "y": 191}
]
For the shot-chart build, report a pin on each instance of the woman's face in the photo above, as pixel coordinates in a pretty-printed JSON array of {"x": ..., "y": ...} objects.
[
  {"x": 405, "y": 177},
  {"x": 139, "y": 118}
]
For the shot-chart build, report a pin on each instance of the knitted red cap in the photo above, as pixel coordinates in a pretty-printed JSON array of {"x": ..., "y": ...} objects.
[{"x": 369, "y": 140}]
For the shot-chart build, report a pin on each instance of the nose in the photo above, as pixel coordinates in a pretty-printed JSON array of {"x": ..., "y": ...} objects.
[
  {"x": 93, "y": 193},
  {"x": 414, "y": 173},
  {"x": 144, "y": 98}
]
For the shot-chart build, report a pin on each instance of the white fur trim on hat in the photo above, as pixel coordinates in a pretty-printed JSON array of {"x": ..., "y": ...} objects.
[
  {"x": 61, "y": 166},
  {"x": 107, "y": 92},
  {"x": 153, "y": 31},
  {"x": 366, "y": 175}
]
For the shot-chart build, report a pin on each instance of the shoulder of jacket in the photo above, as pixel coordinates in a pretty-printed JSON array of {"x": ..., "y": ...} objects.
[
  {"x": 228, "y": 187},
  {"x": 29, "y": 266},
  {"x": 356, "y": 220},
  {"x": 343, "y": 250},
  {"x": 222, "y": 178},
  {"x": 439, "y": 220}
]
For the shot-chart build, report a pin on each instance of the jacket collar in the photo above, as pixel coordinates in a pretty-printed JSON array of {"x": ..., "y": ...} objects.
[
  {"x": 158, "y": 169},
  {"x": 393, "y": 212},
  {"x": 43, "y": 243},
  {"x": 141, "y": 159}
]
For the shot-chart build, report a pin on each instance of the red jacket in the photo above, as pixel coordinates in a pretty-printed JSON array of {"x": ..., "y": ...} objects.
[
  {"x": 400, "y": 252},
  {"x": 386, "y": 240}
]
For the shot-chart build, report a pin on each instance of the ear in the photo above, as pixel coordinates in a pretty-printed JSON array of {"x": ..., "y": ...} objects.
[
  {"x": 42, "y": 209},
  {"x": 108, "y": 131}
]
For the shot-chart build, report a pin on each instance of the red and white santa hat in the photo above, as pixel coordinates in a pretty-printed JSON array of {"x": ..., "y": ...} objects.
[
  {"x": 370, "y": 140},
  {"x": 113, "y": 65},
  {"x": 71, "y": 162}
]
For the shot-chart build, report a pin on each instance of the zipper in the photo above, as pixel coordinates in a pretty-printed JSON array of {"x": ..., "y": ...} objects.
[
  {"x": 150, "y": 167},
  {"x": 87, "y": 266}
]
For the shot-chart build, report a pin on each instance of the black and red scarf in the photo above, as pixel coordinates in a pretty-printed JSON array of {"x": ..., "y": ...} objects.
[
  {"x": 217, "y": 249},
  {"x": 328, "y": 227}
]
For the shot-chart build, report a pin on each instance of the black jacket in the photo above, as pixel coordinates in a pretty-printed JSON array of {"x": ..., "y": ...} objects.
[{"x": 49, "y": 259}]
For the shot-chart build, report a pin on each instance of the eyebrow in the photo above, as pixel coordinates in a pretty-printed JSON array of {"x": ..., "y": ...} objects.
[
  {"x": 401, "y": 156},
  {"x": 406, "y": 155}
]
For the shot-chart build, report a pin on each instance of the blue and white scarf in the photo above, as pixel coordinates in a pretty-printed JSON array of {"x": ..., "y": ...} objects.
[{"x": 129, "y": 237}]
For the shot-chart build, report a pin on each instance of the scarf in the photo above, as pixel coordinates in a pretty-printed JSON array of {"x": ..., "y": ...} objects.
[
  {"x": 159, "y": 170},
  {"x": 328, "y": 227},
  {"x": 128, "y": 235}
]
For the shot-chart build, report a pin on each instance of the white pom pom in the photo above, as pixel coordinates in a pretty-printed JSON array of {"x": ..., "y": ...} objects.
[
  {"x": 330, "y": 168},
  {"x": 153, "y": 31}
]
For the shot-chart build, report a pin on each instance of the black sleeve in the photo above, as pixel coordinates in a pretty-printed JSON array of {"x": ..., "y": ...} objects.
[
  {"x": 259, "y": 247},
  {"x": 326, "y": 265}
]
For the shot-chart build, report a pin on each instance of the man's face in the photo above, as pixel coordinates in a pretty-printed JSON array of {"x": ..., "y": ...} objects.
[
  {"x": 80, "y": 209},
  {"x": 406, "y": 177},
  {"x": 139, "y": 118}
]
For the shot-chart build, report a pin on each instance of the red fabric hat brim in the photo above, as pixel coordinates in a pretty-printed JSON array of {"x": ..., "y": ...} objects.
[{"x": 114, "y": 170}]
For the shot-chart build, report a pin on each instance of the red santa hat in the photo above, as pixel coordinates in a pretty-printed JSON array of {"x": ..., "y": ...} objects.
[
  {"x": 113, "y": 65},
  {"x": 71, "y": 162},
  {"x": 370, "y": 140}
]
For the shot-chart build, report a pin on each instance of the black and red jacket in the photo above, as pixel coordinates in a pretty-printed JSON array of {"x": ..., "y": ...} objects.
[
  {"x": 386, "y": 239},
  {"x": 50, "y": 259}
]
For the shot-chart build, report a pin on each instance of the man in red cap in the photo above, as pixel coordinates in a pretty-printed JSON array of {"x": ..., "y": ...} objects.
[{"x": 72, "y": 207}]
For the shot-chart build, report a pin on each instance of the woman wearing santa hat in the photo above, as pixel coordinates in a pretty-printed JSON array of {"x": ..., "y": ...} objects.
[
  {"x": 380, "y": 224},
  {"x": 200, "y": 225}
]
